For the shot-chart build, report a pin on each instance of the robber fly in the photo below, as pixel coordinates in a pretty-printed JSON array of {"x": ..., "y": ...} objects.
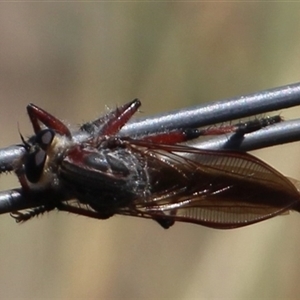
[{"x": 98, "y": 174}]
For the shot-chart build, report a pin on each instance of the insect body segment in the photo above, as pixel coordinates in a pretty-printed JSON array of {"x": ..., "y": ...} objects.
[{"x": 151, "y": 176}]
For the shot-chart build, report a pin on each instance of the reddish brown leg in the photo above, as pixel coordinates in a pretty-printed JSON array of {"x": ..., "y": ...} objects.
[
  {"x": 183, "y": 135},
  {"x": 173, "y": 136},
  {"x": 37, "y": 115},
  {"x": 117, "y": 119},
  {"x": 111, "y": 117}
]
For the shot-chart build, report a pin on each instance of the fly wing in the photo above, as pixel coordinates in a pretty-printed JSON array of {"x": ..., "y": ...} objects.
[{"x": 218, "y": 189}]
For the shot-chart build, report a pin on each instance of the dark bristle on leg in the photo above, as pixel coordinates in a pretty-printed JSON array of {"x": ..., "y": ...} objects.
[
  {"x": 27, "y": 215},
  {"x": 242, "y": 127}
]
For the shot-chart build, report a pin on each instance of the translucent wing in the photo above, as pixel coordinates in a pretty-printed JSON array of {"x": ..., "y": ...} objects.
[{"x": 218, "y": 189}]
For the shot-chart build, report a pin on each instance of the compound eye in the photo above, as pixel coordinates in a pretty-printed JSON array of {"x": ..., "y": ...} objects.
[
  {"x": 34, "y": 165},
  {"x": 44, "y": 138}
]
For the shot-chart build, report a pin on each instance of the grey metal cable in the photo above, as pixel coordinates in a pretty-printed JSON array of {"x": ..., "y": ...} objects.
[{"x": 220, "y": 111}]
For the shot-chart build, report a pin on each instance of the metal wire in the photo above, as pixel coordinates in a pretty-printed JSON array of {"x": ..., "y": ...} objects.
[{"x": 220, "y": 111}]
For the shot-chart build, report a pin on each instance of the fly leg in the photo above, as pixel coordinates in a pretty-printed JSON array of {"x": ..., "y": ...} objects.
[
  {"x": 182, "y": 135},
  {"x": 36, "y": 115},
  {"x": 82, "y": 211},
  {"x": 111, "y": 123},
  {"x": 27, "y": 215}
]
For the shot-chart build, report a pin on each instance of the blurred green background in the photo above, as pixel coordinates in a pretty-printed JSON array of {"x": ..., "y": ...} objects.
[{"x": 73, "y": 60}]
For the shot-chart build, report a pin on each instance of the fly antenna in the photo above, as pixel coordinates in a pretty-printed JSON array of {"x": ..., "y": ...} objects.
[{"x": 26, "y": 145}]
